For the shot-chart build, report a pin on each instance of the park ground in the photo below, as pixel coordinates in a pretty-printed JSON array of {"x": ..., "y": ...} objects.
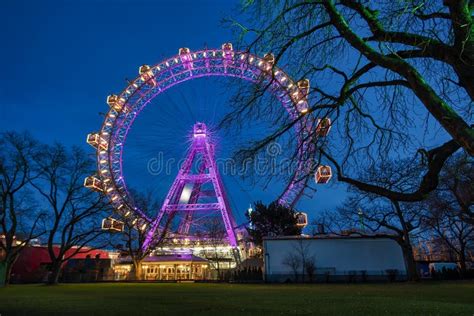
[{"x": 432, "y": 298}]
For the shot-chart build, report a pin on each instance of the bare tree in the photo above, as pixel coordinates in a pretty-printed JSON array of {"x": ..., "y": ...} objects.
[
  {"x": 293, "y": 261},
  {"x": 456, "y": 191},
  {"x": 451, "y": 207},
  {"x": 131, "y": 241},
  {"x": 301, "y": 260},
  {"x": 394, "y": 76},
  {"x": 308, "y": 261},
  {"x": 398, "y": 221},
  {"x": 311, "y": 269},
  {"x": 216, "y": 235},
  {"x": 134, "y": 238},
  {"x": 454, "y": 233},
  {"x": 368, "y": 214},
  {"x": 20, "y": 218},
  {"x": 74, "y": 212}
]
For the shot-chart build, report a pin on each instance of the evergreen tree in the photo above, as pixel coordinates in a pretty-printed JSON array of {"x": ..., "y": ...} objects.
[{"x": 272, "y": 220}]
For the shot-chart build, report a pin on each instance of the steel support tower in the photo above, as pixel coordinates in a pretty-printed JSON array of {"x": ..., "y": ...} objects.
[{"x": 199, "y": 169}]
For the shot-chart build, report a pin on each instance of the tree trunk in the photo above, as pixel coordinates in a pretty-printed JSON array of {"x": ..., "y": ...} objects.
[
  {"x": 466, "y": 77},
  {"x": 53, "y": 278},
  {"x": 412, "y": 271},
  {"x": 8, "y": 271},
  {"x": 462, "y": 263},
  {"x": 218, "y": 267},
  {"x": 6, "y": 267},
  {"x": 137, "y": 270},
  {"x": 3, "y": 273}
]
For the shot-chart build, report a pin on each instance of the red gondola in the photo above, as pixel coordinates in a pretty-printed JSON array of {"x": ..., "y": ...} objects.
[
  {"x": 301, "y": 219},
  {"x": 323, "y": 174},
  {"x": 97, "y": 142},
  {"x": 116, "y": 103},
  {"x": 112, "y": 224},
  {"x": 147, "y": 75},
  {"x": 323, "y": 127},
  {"x": 93, "y": 183}
]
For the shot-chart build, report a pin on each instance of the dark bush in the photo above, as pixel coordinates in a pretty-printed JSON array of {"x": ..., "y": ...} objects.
[{"x": 392, "y": 274}]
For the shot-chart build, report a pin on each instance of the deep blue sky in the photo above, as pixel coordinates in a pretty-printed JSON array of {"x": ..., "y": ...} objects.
[{"x": 60, "y": 59}]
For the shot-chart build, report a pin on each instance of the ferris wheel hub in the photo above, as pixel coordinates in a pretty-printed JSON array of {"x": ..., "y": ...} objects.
[{"x": 199, "y": 130}]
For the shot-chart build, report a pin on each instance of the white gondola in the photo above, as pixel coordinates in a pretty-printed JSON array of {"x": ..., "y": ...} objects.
[
  {"x": 112, "y": 224},
  {"x": 323, "y": 127},
  {"x": 323, "y": 174},
  {"x": 186, "y": 57},
  {"x": 228, "y": 51},
  {"x": 301, "y": 219}
]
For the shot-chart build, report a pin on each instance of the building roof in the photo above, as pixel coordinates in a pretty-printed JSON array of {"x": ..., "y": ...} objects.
[
  {"x": 330, "y": 236},
  {"x": 175, "y": 257},
  {"x": 169, "y": 258}
]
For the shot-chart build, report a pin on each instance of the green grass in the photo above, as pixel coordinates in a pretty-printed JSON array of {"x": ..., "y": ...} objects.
[{"x": 448, "y": 298}]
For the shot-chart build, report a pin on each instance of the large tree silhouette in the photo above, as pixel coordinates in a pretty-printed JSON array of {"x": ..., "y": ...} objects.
[
  {"x": 451, "y": 206},
  {"x": 74, "y": 212},
  {"x": 369, "y": 214},
  {"x": 396, "y": 78},
  {"x": 20, "y": 217}
]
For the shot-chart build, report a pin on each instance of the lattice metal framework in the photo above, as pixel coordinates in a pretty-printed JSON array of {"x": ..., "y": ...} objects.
[{"x": 201, "y": 149}]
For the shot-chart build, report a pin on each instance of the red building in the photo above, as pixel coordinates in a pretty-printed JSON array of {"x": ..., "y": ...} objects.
[{"x": 33, "y": 263}]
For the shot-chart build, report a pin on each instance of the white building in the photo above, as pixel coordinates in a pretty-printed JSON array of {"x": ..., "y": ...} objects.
[{"x": 332, "y": 258}]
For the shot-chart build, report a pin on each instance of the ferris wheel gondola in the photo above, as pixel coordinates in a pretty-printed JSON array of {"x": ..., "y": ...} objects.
[{"x": 301, "y": 220}]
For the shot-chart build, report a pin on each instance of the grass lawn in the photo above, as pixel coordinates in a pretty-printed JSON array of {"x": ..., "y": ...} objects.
[{"x": 447, "y": 298}]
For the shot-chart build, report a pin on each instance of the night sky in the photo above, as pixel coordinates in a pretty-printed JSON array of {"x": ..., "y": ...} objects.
[{"x": 60, "y": 59}]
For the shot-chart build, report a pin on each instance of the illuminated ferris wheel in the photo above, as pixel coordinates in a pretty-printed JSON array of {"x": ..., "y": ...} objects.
[{"x": 154, "y": 80}]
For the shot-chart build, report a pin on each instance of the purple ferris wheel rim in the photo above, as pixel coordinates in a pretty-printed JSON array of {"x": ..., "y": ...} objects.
[{"x": 171, "y": 72}]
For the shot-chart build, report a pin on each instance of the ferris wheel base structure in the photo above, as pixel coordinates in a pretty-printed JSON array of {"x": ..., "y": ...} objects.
[
  {"x": 126, "y": 106},
  {"x": 188, "y": 194}
]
